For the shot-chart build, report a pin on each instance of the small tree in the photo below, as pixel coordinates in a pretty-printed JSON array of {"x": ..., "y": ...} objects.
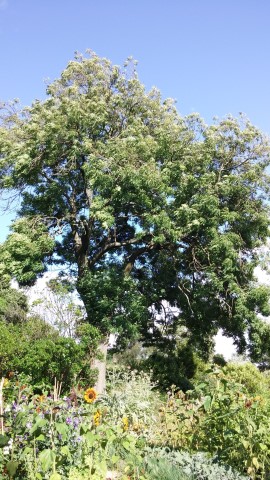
[{"x": 59, "y": 306}]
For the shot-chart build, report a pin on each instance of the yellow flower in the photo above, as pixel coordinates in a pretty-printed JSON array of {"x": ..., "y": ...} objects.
[
  {"x": 259, "y": 399},
  {"x": 125, "y": 423},
  {"x": 90, "y": 395},
  {"x": 97, "y": 417},
  {"x": 6, "y": 383}
]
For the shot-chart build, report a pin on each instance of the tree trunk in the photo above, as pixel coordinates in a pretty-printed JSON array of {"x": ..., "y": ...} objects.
[{"x": 100, "y": 365}]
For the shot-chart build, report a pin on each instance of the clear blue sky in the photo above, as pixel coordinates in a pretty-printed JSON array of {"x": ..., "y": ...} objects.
[{"x": 210, "y": 55}]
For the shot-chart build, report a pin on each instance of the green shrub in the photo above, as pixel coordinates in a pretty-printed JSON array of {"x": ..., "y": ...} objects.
[
  {"x": 178, "y": 465},
  {"x": 132, "y": 395},
  {"x": 173, "y": 366},
  {"x": 61, "y": 358},
  {"x": 222, "y": 418},
  {"x": 13, "y": 305},
  {"x": 218, "y": 359},
  {"x": 34, "y": 348},
  {"x": 250, "y": 376}
]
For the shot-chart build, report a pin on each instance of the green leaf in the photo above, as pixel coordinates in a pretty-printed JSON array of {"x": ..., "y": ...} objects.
[
  {"x": 61, "y": 428},
  {"x": 126, "y": 444},
  {"x": 27, "y": 450},
  {"x": 83, "y": 428},
  {"x": 201, "y": 385},
  {"x": 101, "y": 468},
  {"x": 245, "y": 444},
  {"x": 255, "y": 462},
  {"x": 115, "y": 459},
  {"x": 46, "y": 458},
  {"x": 90, "y": 438},
  {"x": 65, "y": 451},
  {"x": 207, "y": 403},
  {"x": 3, "y": 440},
  {"x": 12, "y": 467},
  {"x": 55, "y": 476},
  {"x": 39, "y": 423}
]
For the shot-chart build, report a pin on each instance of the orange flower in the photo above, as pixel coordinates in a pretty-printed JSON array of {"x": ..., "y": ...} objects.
[{"x": 90, "y": 395}]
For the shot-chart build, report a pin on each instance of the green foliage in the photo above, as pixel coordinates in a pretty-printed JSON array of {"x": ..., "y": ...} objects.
[
  {"x": 13, "y": 305},
  {"x": 114, "y": 303},
  {"x": 248, "y": 375},
  {"x": 10, "y": 345},
  {"x": 34, "y": 348},
  {"x": 173, "y": 465},
  {"x": 162, "y": 468},
  {"x": 173, "y": 366},
  {"x": 220, "y": 416},
  {"x": 60, "y": 358},
  {"x": 169, "y": 363},
  {"x": 46, "y": 437},
  {"x": 116, "y": 436},
  {"x": 113, "y": 179},
  {"x": 218, "y": 359},
  {"x": 24, "y": 253},
  {"x": 132, "y": 395}
]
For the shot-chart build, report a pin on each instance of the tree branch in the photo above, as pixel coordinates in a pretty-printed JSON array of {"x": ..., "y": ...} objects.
[{"x": 111, "y": 246}]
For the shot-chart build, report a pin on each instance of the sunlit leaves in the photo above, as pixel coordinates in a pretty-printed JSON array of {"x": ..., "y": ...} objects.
[
  {"x": 22, "y": 255},
  {"x": 120, "y": 180}
]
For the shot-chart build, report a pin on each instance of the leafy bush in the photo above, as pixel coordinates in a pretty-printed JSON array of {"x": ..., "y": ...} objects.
[
  {"x": 246, "y": 373},
  {"x": 131, "y": 395},
  {"x": 177, "y": 465},
  {"x": 218, "y": 359},
  {"x": 34, "y": 348},
  {"x": 173, "y": 366},
  {"x": 13, "y": 305},
  {"x": 60, "y": 358},
  {"x": 220, "y": 417}
]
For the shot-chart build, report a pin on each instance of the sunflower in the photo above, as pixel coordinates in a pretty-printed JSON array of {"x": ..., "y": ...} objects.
[
  {"x": 125, "y": 423},
  {"x": 90, "y": 395},
  {"x": 96, "y": 418}
]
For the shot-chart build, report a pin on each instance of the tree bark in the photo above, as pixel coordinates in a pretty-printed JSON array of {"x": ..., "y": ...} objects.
[{"x": 100, "y": 365}]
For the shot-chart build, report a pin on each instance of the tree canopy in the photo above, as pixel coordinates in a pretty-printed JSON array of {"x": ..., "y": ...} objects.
[{"x": 143, "y": 205}]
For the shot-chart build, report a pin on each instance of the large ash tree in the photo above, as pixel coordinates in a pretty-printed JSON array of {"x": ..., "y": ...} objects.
[{"x": 143, "y": 206}]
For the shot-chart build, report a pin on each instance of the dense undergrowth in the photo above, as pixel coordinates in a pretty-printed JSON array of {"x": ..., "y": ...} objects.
[{"x": 217, "y": 430}]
